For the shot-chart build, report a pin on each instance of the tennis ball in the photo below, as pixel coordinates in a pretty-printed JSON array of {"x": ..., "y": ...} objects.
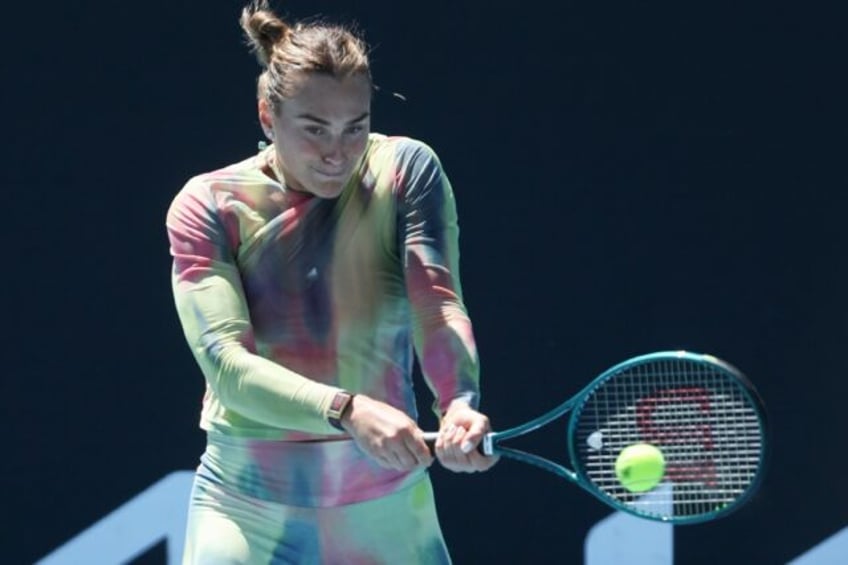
[{"x": 640, "y": 467}]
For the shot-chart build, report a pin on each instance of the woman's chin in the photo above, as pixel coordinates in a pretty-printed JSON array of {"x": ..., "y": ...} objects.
[{"x": 328, "y": 188}]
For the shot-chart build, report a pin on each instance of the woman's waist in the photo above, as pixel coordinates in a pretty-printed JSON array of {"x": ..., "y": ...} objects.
[{"x": 301, "y": 473}]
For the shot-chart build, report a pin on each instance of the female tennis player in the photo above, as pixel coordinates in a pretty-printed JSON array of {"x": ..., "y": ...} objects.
[{"x": 306, "y": 277}]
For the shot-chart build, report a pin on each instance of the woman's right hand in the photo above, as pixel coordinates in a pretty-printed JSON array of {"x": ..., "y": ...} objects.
[{"x": 387, "y": 434}]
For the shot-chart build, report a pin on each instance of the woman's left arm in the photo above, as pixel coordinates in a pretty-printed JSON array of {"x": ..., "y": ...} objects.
[{"x": 442, "y": 331}]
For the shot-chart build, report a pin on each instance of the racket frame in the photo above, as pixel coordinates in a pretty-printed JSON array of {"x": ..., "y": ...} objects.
[{"x": 492, "y": 441}]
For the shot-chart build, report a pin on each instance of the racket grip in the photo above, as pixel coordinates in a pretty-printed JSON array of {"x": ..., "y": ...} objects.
[{"x": 484, "y": 447}]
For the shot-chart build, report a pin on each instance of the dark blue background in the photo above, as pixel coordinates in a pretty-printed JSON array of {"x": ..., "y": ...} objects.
[{"x": 631, "y": 177}]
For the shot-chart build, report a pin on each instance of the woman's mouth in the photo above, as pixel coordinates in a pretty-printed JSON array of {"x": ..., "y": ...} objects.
[{"x": 331, "y": 174}]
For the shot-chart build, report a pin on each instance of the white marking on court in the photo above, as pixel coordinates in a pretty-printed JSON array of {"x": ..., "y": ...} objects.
[{"x": 159, "y": 512}]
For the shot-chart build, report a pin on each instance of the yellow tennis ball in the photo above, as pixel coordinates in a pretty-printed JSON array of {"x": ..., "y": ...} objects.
[{"x": 640, "y": 467}]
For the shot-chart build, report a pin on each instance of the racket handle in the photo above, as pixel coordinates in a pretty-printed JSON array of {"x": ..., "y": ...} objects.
[{"x": 484, "y": 447}]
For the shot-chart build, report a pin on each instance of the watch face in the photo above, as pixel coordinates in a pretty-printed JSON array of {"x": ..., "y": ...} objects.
[
  {"x": 339, "y": 402},
  {"x": 337, "y": 407}
]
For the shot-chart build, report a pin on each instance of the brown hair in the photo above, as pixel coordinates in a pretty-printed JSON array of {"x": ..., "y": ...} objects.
[{"x": 287, "y": 51}]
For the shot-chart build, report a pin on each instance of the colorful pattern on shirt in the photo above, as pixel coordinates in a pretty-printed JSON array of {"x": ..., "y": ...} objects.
[{"x": 285, "y": 298}]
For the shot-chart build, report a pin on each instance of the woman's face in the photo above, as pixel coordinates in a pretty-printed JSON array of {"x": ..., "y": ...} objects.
[{"x": 321, "y": 132}]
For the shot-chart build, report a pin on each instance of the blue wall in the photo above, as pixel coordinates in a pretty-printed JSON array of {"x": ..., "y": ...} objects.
[{"x": 629, "y": 179}]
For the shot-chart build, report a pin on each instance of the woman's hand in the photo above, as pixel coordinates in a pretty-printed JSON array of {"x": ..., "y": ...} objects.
[
  {"x": 388, "y": 435},
  {"x": 460, "y": 433}
]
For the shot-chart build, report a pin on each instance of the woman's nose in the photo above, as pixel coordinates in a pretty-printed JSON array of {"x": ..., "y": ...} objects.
[
  {"x": 334, "y": 159},
  {"x": 333, "y": 154}
]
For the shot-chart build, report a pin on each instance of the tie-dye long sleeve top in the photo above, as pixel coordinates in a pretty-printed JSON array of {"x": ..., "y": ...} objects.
[{"x": 285, "y": 298}]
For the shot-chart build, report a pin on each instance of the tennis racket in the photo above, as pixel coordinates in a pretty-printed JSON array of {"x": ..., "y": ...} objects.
[{"x": 704, "y": 416}]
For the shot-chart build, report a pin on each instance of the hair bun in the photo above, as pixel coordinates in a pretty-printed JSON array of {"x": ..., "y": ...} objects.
[{"x": 263, "y": 28}]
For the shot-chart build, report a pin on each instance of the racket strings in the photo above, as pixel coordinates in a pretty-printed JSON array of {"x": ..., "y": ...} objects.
[{"x": 700, "y": 417}]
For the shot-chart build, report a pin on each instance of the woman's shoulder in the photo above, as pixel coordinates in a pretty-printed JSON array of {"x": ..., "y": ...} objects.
[
  {"x": 246, "y": 170},
  {"x": 400, "y": 148},
  {"x": 229, "y": 178},
  {"x": 215, "y": 188}
]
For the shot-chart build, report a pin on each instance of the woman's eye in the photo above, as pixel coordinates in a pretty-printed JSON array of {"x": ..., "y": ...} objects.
[{"x": 315, "y": 130}]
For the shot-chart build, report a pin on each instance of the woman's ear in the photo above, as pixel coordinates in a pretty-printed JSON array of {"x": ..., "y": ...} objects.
[{"x": 265, "y": 119}]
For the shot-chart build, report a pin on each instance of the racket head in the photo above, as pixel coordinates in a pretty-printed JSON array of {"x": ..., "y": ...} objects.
[{"x": 703, "y": 414}]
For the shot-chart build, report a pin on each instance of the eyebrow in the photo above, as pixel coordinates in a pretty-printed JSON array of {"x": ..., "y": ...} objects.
[{"x": 324, "y": 122}]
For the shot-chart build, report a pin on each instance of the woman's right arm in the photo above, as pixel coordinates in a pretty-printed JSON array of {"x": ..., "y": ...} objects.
[{"x": 215, "y": 319}]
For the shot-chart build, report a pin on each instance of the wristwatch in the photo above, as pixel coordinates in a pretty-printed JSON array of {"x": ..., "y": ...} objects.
[{"x": 338, "y": 406}]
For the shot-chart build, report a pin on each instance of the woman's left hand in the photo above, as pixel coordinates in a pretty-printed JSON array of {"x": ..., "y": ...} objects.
[{"x": 461, "y": 431}]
